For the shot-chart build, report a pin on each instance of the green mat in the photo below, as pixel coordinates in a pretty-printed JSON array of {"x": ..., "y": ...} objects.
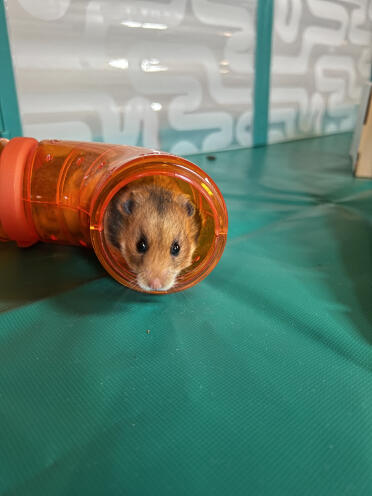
[{"x": 255, "y": 382}]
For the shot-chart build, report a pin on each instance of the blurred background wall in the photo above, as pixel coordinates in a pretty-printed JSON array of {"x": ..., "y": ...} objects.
[
  {"x": 321, "y": 57},
  {"x": 180, "y": 75}
]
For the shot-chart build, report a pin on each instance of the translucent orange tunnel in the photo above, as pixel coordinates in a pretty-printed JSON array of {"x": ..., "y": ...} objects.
[{"x": 58, "y": 192}]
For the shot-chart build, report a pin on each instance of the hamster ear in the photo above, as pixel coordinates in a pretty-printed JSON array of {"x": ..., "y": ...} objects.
[
  {"x": 127, "y": 203},
  {"x": 129, "y": 200},
  {"x": 187, "y": 204},
  {"x": 128, "y": 206},
  {"x": 190, "y": 208}
]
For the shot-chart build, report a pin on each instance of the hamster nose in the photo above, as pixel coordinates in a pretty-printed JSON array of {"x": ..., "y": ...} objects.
[{"x": 155, "y": 284}]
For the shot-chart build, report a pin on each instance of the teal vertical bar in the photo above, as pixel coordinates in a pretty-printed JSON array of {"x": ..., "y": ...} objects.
[
  {"x": 264, "y": 27},
  {"x": 10, "y": 121}
]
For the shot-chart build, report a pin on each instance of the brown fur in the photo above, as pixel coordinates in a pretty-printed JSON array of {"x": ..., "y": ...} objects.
[{"x": 157, "y": 210}]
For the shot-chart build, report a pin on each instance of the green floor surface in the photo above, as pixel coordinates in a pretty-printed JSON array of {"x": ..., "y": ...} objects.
[{"x": 258, "y": 381}]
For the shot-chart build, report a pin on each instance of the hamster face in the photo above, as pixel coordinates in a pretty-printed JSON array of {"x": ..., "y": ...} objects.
[{"x": 156, "y": 230}]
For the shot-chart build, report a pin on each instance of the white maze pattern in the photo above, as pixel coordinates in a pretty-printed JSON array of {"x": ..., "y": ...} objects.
[
  {"x": 176, "y": 74},
  {"x": 322, "y": 52}
]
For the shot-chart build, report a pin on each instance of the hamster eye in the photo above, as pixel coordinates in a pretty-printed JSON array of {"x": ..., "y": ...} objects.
[
  {"x": 175, "y": 249},
  {"x": 142, "y": 245}
]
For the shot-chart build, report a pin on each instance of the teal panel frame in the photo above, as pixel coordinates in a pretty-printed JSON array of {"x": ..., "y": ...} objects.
[
  {"x": 264, "y": 27},
  {"x": 10, "y": 121}
]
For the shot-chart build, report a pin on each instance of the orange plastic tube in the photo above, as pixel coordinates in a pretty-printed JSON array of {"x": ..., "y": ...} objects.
[{"x": 58, "y": 192}]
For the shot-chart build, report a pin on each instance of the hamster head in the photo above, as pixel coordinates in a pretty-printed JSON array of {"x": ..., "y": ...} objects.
[{"x": 156, "y": 230}]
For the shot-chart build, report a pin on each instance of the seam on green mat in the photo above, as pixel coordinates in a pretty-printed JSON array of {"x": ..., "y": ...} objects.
[
  {"x": 293, "y": 216},
  {"x": 264, "y": 27},
  {"x": 30, "y": 303},
  {"x": 278, "y": 143},
  {"x": 8, "y": 94},
  {"x": 270, "y": 225}
]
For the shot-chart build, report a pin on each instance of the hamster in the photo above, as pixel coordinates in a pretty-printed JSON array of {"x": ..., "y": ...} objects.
[{"x": 156, "y": 227}]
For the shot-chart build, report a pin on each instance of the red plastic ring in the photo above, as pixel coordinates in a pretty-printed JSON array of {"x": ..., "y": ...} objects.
[{"x": 13, "y": 218}]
